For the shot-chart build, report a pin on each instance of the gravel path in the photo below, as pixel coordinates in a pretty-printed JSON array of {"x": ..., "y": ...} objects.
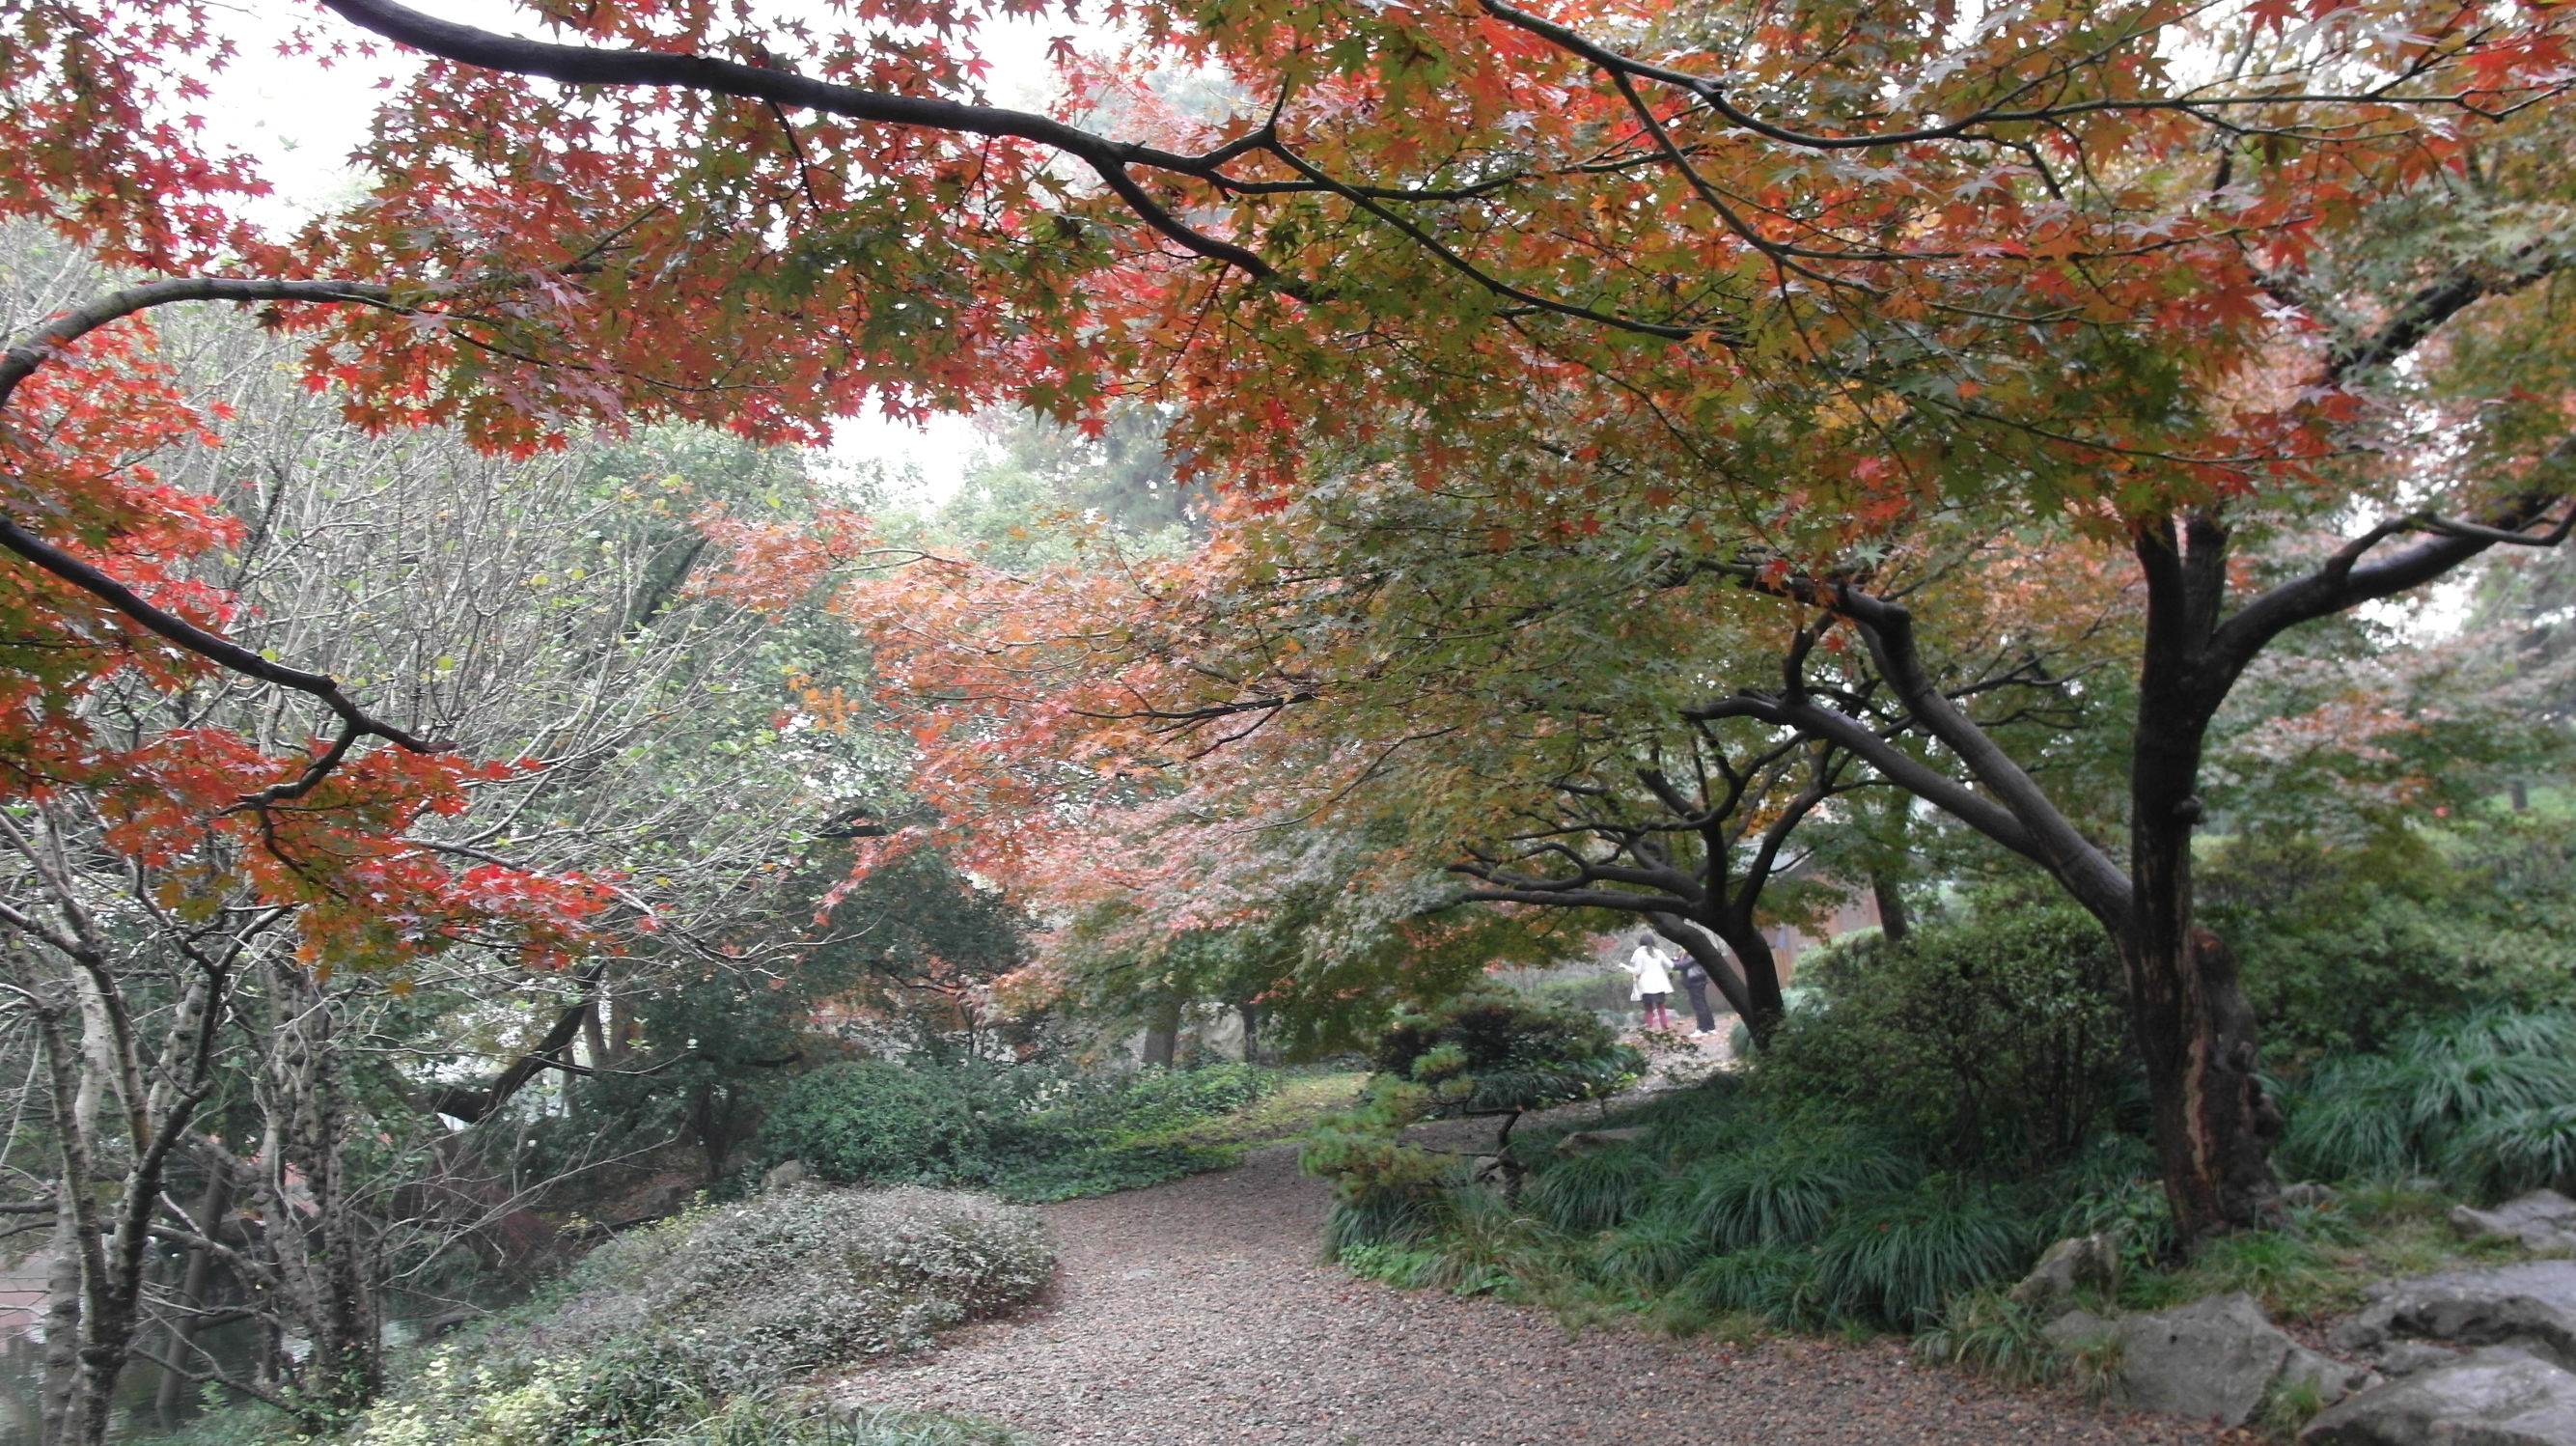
[{"x": 1194, "y": 1314}]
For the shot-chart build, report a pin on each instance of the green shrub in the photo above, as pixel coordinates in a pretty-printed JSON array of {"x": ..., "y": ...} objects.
[
  {"x": 2344, "y": 947},
  {"x": 1997, "y": 1040},
  {"x": 1101, "y": 1170},
  {"x": 876, "y": 1121},
  {"x": 1028, "y": 1134}
]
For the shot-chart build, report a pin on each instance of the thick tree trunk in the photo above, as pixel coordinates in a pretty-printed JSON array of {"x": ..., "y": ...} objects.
[
  {"x": 2195, "y": 1033},
  {"x": 2214, "y": 1124},
  {"x": 1893, "y": 921},
  {"x": 1750, "y": 980}
]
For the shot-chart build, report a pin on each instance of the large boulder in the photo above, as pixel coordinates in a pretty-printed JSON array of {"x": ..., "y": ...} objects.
[
  {"x": 2495, "y": 1397},
  {"x": 2542, "y": 1220},
  {"x": 2085, "y": 1263},
  {"x": 2530, "y": 1305},
  {"x": 2214, "y": 1359}
]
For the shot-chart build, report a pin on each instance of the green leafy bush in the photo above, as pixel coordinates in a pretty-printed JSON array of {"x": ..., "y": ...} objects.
[
  {"x": 657, "y": 1330},
  {"x": 875, "y": 1121},
  {"x": 2480, "y": 1100},
  {"x": 1998, "y": 1039},
  {"x": 1490, "y": 1051}
]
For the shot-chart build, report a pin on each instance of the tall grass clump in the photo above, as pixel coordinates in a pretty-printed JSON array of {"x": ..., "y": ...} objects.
[
  {"x": 1785, "y": 1189},
  {"x": 2480, "y": 1100},
  {"x": 1594, "y": 1192},
  {"x": 1899, "y": 1261}
]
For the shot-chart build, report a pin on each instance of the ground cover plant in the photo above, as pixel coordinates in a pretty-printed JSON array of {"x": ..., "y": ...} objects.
[
  {"x": 659, "y": 1329},
  {"x": 1029, "y": 1134}
]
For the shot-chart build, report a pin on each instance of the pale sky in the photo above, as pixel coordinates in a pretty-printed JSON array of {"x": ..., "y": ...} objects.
[{"x": 302, "y": 121}]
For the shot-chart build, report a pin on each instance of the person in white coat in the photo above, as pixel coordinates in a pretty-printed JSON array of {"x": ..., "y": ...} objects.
[{"x": 1652, "y": 984}]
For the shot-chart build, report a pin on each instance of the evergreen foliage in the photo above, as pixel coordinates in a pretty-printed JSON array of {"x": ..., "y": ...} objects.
[{"x": 1028, "y": 1133}]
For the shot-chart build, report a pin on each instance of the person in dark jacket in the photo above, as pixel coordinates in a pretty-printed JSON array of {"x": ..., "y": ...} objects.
[{"x": 1695, "y": 979}]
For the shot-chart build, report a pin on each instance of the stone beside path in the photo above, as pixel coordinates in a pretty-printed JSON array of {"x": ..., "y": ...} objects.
[{"x": 1194, "y": 1314}]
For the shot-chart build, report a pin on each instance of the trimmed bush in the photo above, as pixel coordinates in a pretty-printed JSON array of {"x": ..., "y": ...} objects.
[
  {"x": 658, "y": 1329},
  {"x": 1496, "y": 1051}
]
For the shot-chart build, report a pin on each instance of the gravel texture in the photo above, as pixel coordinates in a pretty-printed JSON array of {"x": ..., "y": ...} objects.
[{"x": 1195, "y": 1313}]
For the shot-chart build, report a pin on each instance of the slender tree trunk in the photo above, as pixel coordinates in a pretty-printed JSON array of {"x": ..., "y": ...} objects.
[
  {"x": 323, "y": 1245},
  {"x": 193, "y": 1285},
  {"x": 61, "y": 1385}
]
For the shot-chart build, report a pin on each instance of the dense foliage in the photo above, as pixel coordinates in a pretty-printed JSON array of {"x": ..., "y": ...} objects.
[
  {"x": 1993, "y": 1038},
  {"x": 2484, "y": 1101},
  {"x": 1026, "y": 1132},
  {"x": 2346, "y": 945}
]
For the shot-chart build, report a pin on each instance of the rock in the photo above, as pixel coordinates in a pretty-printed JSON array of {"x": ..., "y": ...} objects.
[
  {"x": 2496, "y": 1397},
  {"x": 2405, "y": 1358},
  {"x": 2326, "y": 1379},
  {"x": 2531, "y": 1305},
  {"x": 1498, "y": 1172},
  {"x": 2541, "y": 1220},
  {"x": 2213, "y": 1359},
  {"x": 2079, "y": 1329},
  {"x": 1587, "y": 1142},
  {"x": 2307, "y": 1193},
  {"x": 2085, "y": 1263},
  {"x": 783, "y": 1174}
]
